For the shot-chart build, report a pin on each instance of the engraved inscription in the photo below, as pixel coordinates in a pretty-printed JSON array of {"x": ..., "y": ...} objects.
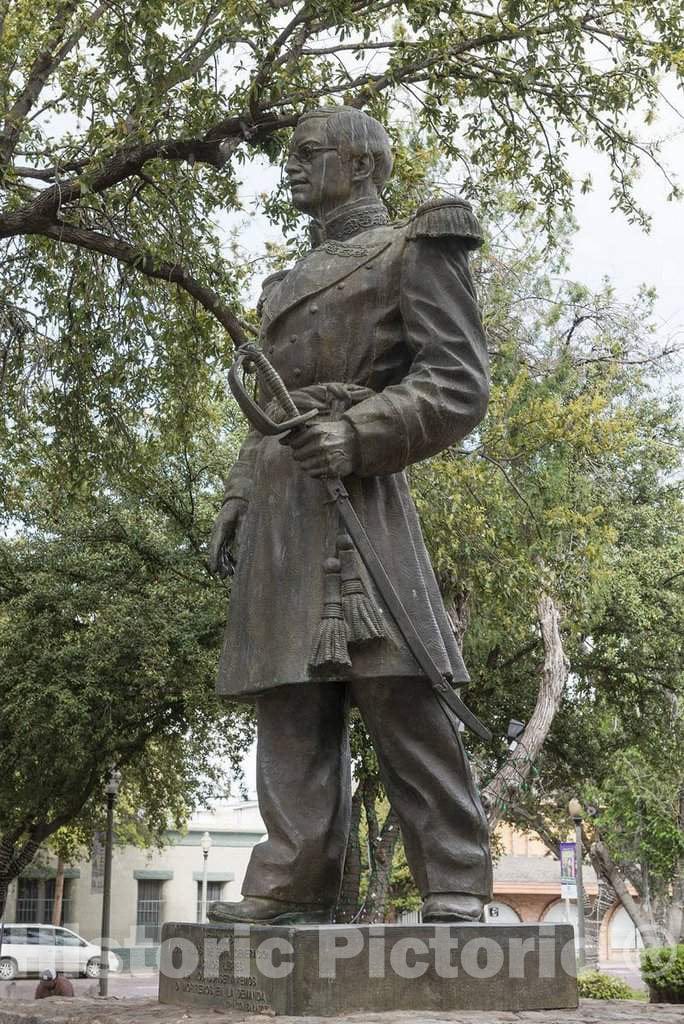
[{"x": 243, "y": 996}]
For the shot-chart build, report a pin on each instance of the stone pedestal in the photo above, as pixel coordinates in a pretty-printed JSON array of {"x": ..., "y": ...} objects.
[{"x": 333, "y": 969}]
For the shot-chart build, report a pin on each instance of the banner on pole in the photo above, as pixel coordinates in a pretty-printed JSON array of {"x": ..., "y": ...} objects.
[{"x": 568, "y": 868}]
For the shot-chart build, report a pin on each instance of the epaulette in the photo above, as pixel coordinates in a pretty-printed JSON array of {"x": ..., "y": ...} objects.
[
  {"x": 273, "y": 278},
  {"x": 447, "y": 216}
]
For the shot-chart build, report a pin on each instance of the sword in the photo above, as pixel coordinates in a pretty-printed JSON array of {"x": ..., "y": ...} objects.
[{"x": 249, "y": 355}]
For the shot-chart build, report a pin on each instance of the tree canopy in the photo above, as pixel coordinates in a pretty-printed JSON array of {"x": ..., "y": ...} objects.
[{"x": 126, "y": 127}]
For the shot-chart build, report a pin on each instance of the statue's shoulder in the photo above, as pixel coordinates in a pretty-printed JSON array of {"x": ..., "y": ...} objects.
[
  {"x": 448, "y": 216},
  {"x": 267, "y": 284},
  {"x": 274, "y": 278}
]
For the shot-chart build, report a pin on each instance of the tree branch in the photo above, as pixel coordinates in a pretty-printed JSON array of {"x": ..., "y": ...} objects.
[
  {"x": 605, "y": 866},
  {"x": 146, "y": 264},
  {"x": 122, "y": 165},
  {"x": 260, "y": 79},
  {"x": 536, "y": 823},
  {"x": 43, "y": 66},
  {"x": 513, "y": 773}
]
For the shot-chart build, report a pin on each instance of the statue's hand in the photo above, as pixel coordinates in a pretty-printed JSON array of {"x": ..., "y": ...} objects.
[
  {"x": 324, "y": 449},
  {"x": 224, "y": 530}
]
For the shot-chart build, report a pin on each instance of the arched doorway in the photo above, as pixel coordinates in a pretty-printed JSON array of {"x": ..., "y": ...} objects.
[
  {"x": 500, "y": 913},
  {"x": 562, "y": 912},
  {"x": 623, "y": 936}
]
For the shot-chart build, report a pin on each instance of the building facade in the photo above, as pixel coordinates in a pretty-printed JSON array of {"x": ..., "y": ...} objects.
[
  {"x": 527, "y": 889},
  {"x": 149, "y": 887}
]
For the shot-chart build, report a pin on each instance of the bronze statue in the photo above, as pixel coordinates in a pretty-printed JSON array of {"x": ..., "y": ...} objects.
[{"x": 378, "y": 330}]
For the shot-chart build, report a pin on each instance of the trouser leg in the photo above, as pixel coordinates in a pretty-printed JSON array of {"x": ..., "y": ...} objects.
[
  {"x": 427, "y": 777},
  {"x": 303, "y": 784}
]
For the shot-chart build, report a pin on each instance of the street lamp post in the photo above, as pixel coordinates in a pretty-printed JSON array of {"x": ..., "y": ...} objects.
[
  {"x": 206, "y": 847},
  {"x": 111, "y": 789},
  {"x": 576, "y": 812}
]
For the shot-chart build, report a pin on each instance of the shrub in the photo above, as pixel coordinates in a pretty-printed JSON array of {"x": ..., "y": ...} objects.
[
  {"x": 594, "y": 985},
  {"x": 663, "y": 971}
]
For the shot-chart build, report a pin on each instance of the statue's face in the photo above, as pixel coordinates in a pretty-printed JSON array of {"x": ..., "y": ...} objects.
[{"x": 320, "y": 178}]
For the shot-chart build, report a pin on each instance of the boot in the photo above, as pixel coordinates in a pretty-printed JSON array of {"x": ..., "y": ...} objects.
[
  {"x": 263, "y": 910},
  {"x": 452, "y": 906}
]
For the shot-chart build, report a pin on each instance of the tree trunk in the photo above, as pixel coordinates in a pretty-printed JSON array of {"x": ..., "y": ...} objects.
[
  {"x": 458, "y": 611},
  {"x": 650, "y": 931},
  {"x": 675, "y": 918},
  {"x": 59, "y": 893},
  {"x": 4, "y": 889},
  {"x": 497, "y": 795},
  {"x": 348, "y": 902},
  {"x": 382, "y": 852}
]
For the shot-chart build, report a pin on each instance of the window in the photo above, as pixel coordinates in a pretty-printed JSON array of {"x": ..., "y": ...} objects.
[
  {"x": 502, "y": 913},
  {"x": 149, "y": 914},
  {"x": 64, "y": 938},
  {"x": 36, "y": 900},
  {"x": 48, "y": 902},
  {"x": 214, "y": 892},
  {"x": 15, "y": 936},
  {"x": 27, "y": 899}
]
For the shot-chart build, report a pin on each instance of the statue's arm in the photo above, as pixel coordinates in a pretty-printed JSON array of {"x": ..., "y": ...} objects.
[
  {"x": 236, "y": 495},
  {"x": 445, "y": 392}
]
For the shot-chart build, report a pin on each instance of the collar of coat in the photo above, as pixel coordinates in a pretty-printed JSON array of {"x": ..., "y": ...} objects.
[{"x": 351, "y": 218}]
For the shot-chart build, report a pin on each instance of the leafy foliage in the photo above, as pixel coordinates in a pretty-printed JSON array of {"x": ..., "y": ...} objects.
[
  {"x": 128, "y": 131},
  {"x": 577, "y": 448},
  {"x": 594, "y": 985},
  {"x": 108, "y": 633},
  {"x": 663, "y": 971}
]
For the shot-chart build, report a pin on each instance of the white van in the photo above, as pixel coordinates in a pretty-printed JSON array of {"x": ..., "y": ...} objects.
[{"x": 32, "y": 948}]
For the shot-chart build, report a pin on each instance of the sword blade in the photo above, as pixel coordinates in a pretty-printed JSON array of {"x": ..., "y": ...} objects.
[{"x": 378, "y": 574}]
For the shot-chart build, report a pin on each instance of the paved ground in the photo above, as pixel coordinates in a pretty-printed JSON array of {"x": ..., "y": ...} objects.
[
  {"x": 628, "y": 971},
  {"x": 144, "y": 985},
  {"x": 148, "y": 1011}
]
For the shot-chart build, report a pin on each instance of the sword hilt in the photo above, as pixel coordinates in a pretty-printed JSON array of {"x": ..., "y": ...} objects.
[{"x": 249, "y": 355}]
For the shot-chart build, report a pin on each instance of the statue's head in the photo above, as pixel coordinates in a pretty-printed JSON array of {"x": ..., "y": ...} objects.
[{"x": 337, "y": 154}]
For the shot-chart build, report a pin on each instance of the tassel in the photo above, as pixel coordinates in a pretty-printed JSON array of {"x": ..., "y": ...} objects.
[
  {"x": 330, "y": 647},
  {"x": 361, "y": 615}
]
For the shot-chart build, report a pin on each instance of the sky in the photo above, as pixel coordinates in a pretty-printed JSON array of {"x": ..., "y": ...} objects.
[{"x": 607, "y": 245}]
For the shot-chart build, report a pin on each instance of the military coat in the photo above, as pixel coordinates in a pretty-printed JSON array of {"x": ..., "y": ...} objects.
[{"x": 390, "y": 312}]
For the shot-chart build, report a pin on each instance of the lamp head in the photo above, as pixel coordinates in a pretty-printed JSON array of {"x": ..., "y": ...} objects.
[
  {"x": 575, "y": 809},
  {"x": 113, "y": 783},
  {"x": 515, "y": 730},
  {"x": 206, "y": 843}
]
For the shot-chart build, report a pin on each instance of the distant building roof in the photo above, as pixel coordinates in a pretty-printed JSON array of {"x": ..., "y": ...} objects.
[{"x": 530, "y": 874}]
